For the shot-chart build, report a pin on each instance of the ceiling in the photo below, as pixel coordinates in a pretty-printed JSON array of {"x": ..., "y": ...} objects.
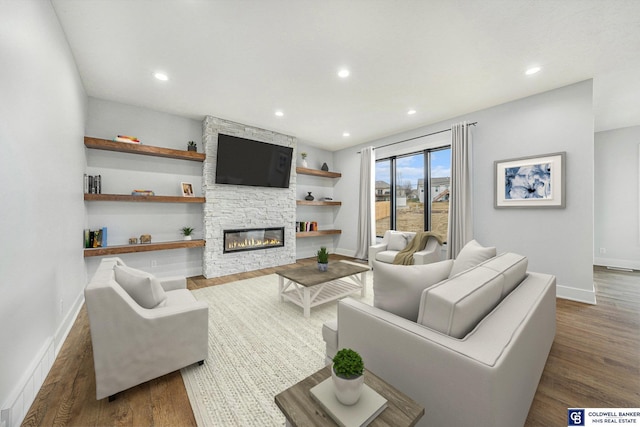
[{"x": 243, "y": 60}]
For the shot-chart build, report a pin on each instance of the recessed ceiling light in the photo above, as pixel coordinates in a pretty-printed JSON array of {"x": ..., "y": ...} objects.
[
  {"x": 161, "y": 76},
  {"x": 345, "y": 134},
  {"x": 279, "y": 113},
  {"x": 344, "y": 73},
  {"x": 411, "y": 112},
  {"x": 532, "y": 70}
]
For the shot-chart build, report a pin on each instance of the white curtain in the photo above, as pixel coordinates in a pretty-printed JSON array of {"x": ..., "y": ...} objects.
[
  {"x": 366, "y": 208},
  {"x": 460, "y": 199}
]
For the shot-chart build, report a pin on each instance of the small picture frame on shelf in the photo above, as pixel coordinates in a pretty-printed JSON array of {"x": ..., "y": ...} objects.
[{"x": 187, "y": 189}]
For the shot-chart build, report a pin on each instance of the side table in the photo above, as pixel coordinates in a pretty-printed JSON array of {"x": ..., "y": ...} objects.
[{"x": 300, "y": 409}]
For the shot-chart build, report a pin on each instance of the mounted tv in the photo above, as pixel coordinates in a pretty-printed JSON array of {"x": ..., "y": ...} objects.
[{"x": 244, "y": 161}]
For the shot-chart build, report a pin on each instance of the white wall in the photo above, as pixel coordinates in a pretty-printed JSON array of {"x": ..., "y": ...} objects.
[
  {"x": 616, "y": 204},
  {"x": 121, "y": 173},
  {"x": 556, "y": 241},
  {"x": 42, "y": 274}
]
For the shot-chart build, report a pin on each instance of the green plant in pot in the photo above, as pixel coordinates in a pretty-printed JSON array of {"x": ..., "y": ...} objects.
[
  {"x": 347, "y": 373},
  {"x": 191, "y": 146},
  {"x": 186, "y": 232},
  {"x": 323, "y": 259}
]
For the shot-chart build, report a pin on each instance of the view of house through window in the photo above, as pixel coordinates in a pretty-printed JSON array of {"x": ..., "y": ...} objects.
[{"x": 412, "y": 192}]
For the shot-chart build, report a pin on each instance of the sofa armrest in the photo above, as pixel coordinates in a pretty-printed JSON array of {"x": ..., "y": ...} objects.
[
  {"x": 373, "y": 251},
  {"x": 173, "y": 283}
]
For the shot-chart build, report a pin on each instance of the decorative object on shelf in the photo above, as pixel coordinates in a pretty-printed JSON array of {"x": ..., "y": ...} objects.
[
  {"x": 531, "y": 182},
  {"x": 128, "y": 139},
  {"x": 95, "y": 238},
  {"x": 323, "y": 259},
  {"x": 142, "y": 193},
  {"x": 325, "y": 167},
  {"x": 309, "y": 196},
  {"x": 92, "y": 184},
  {"x": 191, "y": 146},
  {"x": 347, "y": 373},
  {"x": 145, "y": 238},
  {"x": 304, "y": 159},
  {"x": 186, "y": 232},
  {"x": 187, "y": 189},
  {"x": 133, "y": 240}
]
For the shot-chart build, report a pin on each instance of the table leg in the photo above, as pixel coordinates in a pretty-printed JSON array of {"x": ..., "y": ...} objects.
[
  {"x": 306, "y": 303},
  {"x": 280, "y": 287},
  {"x": 363, "y": 283}
]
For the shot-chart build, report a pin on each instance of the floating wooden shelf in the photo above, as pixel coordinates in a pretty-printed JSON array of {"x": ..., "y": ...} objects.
[
  {"x": 316, "y": 172},
  {"x": 318, "y": 203},
  {"x": 147, "y": 150},
  {"x": 144, "y": 247},
  {"x": 300, "y": 234},
  {"x": 149, "y": 199}
]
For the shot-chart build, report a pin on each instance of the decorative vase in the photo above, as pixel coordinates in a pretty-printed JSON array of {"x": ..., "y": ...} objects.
[
  {"x": 309, "y": 196},
  {"x": 347, "y": 391},
  {"x": 187, "y": 237},
  {"x": 192, "y": 148},
  {"x": 325, "y": 167},
  {"x": 322, "y": 266},
  {"x": 304, "y": 163}
]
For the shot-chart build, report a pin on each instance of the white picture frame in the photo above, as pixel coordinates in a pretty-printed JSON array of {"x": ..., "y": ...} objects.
[{"x": 187, "y": 189}]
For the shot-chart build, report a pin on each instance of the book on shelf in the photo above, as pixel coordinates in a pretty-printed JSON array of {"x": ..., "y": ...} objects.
[
  {"x": 92, "y": 184},
  {"x": 307, "y": 226},
  {"x": 142, "y": 193},
  {"x": 127, "y": 139},
  {"x": 95, "y": 238}
]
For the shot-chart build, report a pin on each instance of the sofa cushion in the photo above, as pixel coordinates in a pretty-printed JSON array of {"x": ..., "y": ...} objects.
[
  {"x": 398, "y": 241},
  {"x": 471, "y": 255},
  {"x": 455, "y": 306},
  {"x": 512, "y": 266},
  {"x": 386, "y": 256},
  {"x": 143, "y": 287},
  {"x": 397, "y": 288}
]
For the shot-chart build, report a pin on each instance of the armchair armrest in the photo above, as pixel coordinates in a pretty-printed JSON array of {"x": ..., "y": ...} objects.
[{"x": 373, "y": 251}]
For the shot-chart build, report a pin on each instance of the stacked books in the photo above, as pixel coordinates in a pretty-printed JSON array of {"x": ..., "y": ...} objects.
[
  {"x": 142, "y": 193},
  {"x": 95, "y": 238},
  {"x": 92, "y": 184},
  {"x": 127, "y": 138},
  {"x": 307, "y": 226}
]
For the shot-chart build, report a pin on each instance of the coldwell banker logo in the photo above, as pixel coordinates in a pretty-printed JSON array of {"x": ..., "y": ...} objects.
[{"x": 575, "y": 417}]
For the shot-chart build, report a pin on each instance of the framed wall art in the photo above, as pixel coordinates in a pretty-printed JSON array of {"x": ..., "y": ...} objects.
[
  {"x": 530, "y": 182},
  {"x": 187, "y": 189}
]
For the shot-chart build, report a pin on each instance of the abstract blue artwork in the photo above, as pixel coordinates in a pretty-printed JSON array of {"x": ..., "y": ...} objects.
[{"x": 528, "y": 182}]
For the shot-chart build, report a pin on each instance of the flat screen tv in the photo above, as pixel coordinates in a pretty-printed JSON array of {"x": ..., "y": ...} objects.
[{"x": 244, "y": 161}]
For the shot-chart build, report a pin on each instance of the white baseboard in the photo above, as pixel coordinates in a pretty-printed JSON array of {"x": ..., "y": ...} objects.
[
  {"x": 15, "y": 409},
  {"x": 345, "y": 252},
  {"x": 617, "y": 263},
  {"x": 574, "y": 294}
]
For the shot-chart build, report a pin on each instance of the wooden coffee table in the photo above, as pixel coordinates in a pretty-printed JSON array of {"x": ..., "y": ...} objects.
[
  {"x": 300, "y": 409},
  {"x": 311, "y": 287}
]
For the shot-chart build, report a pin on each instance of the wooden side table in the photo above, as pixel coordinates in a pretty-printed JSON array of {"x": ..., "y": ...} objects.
[{"x": 300, "y": 409}]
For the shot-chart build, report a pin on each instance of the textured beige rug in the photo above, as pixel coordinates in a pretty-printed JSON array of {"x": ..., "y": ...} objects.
[{"x": 258, "y": 347}]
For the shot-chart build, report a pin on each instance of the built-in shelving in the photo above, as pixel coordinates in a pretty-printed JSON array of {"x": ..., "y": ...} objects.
[
  {"x": 317, "y": 233},
  {"x": 317, "y": 172},
  {"x": 143, "y": 247},
  {"x": 318, "y": 203},
  {"x": 146, "y": 150},
  {"x": 149, "y": 199}
]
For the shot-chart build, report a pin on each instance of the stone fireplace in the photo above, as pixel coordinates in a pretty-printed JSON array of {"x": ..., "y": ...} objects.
[
  {"x": 251, "y": 239},
  {"x": 236, "y": 207}
]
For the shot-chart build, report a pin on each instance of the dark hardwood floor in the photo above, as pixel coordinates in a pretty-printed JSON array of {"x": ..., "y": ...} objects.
[{"x": 594, "y": 362}]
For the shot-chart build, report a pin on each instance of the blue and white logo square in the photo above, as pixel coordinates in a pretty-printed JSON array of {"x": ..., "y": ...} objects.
[{"x": 575, "y": 417}]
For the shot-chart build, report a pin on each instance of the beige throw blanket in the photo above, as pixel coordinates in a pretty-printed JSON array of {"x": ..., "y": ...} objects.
[{"x": 405, "y": 256}]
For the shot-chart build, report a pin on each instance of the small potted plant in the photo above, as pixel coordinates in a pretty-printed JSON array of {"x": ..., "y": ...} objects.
[
  {"x": 304, "y": 159},
  {"x": 191, "y": 146},
  {"x": 186, "y": 232},
  {"x": 347, "y": 374},
  {"x": 323, "y": 259}
]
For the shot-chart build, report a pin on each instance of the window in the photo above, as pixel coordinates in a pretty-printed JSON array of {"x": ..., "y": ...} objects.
[{"x": 412, "y": 192}]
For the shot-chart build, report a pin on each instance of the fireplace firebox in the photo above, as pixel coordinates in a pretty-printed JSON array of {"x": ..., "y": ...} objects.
[{"x": 251, "y": 239}]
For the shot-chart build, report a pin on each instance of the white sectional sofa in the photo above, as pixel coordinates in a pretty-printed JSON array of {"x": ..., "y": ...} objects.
[
  {"x": 472, "y": 346},
  {"x": 141, "y": 327}
]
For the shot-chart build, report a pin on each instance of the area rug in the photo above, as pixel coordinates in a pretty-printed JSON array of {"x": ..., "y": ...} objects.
[{"x": 258, "y": 347}]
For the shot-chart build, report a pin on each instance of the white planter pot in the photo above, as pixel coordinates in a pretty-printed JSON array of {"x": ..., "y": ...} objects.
[
  {"x": 187, "y": 237},
  {"x": 323, "y": 266},
  {"x": 347, "y": 391},
  {"x": 304, "y": 163}
]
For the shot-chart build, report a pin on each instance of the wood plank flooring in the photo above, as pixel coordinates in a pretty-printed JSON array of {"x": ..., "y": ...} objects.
[{"x": 594, "y": 362}]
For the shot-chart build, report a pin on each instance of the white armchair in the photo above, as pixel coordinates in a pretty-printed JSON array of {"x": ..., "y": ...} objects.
[
  {"x": 394, "y": 241},
  {"x": 152, "y": 328}
]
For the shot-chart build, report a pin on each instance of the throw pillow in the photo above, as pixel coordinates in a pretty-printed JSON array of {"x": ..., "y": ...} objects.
[
  {"x": 471, "y": 255},
  {"x": 397, "y": 288},
  {"x": 143, "y": 287},
  {"x": 397, "y": 241}
]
